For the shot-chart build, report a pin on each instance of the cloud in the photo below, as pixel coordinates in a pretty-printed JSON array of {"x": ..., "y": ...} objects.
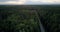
[
  {"x": 46, "y": 1},
  {"x": 7, "y": 0},
  {"x": 19, "y": 2},
  {"x": 14, "y": 2}
]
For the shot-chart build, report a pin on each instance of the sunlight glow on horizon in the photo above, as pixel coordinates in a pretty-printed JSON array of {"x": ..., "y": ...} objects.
[{"x": 14, "y": 2}]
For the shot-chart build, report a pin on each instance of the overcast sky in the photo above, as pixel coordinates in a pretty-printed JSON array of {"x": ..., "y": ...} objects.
[{"x": 23, "y": 2}]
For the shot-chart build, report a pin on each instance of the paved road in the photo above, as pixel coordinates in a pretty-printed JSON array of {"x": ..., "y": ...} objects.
[{"x": 41, "y": 26}]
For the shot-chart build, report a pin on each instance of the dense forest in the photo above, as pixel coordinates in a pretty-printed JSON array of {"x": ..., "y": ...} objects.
[{"x": 23, "y": 18}]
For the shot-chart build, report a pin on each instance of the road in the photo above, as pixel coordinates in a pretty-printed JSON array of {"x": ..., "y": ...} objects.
[{"x": 41, "y": 26}]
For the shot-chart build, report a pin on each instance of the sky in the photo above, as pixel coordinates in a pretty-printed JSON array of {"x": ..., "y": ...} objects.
[{"x": 26, "y": 2}]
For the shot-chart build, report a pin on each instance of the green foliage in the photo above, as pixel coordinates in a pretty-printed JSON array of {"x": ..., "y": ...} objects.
[
  {"x": 14, "y": 20},
  {"x": 24, "y": 19},
  {"x": 50, "y": 18}
]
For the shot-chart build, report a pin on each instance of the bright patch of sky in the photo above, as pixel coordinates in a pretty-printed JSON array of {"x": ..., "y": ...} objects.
[{"x": 22, "y": 2}]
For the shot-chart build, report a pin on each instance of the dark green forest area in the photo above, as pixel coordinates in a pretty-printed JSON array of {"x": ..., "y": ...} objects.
[{"x": 24, "y": 19}]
